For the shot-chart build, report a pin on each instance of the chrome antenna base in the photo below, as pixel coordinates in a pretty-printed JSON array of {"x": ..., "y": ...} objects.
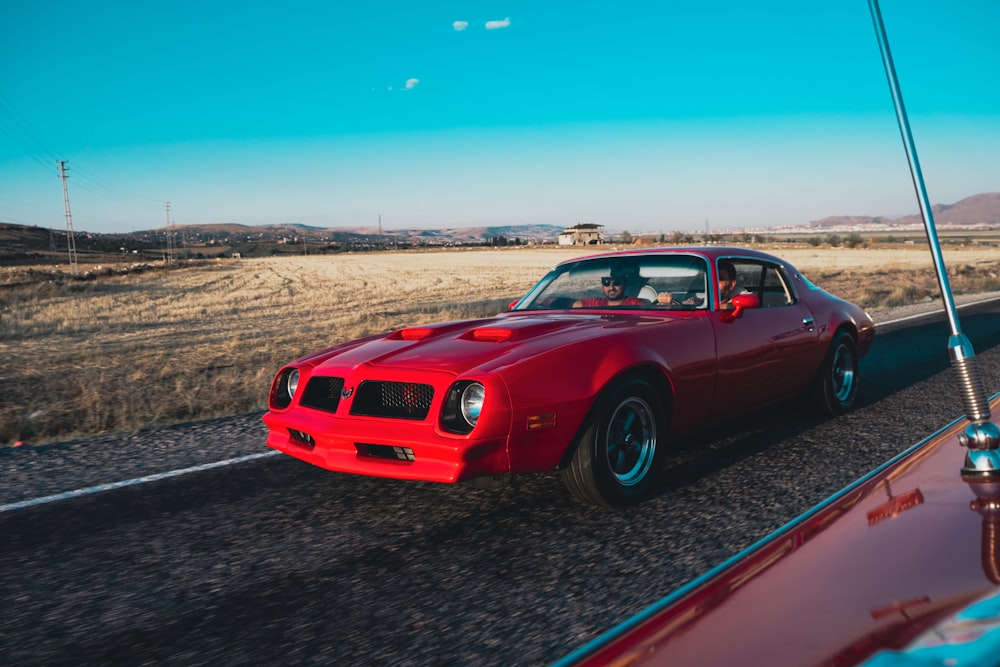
[{"x": 983, "y": 456}]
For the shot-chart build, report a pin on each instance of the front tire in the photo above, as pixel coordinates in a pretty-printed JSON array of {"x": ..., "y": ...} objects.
[
  {"x": 616, "y": 458},
  {"x": 836, "y": 386}
]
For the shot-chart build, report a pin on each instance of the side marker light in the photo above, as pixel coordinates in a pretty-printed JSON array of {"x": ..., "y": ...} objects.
[{"x": 544, "y": 420}]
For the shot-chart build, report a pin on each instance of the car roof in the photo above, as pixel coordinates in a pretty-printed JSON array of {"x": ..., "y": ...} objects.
[{"x": 710, "y": 253}]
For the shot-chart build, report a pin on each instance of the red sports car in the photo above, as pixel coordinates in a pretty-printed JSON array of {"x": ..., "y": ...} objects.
[{"x": 592, "y": 373}]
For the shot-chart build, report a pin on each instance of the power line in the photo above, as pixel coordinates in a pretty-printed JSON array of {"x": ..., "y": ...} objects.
[
  {"x": 20, "y": 132},
  {"x": 17, "y": 128},
  {"x": 99, "y": 186}
]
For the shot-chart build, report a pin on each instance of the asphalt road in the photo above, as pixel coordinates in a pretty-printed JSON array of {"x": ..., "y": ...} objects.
[{"x": 273, "y": 561}]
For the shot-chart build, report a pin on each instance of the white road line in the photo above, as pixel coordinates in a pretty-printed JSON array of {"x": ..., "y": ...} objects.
[
  {"x": 929, "y": 313},
  {"x": 132, "y": 482}
]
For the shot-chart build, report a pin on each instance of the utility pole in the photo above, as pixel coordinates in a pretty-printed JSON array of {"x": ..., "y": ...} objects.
[
  {"x": 71, "y": 241},
  {"x": 170, "y": 235}
]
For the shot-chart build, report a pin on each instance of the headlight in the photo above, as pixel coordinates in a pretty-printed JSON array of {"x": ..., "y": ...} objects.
[
  {"x": 472, "y": 402},
  {"x": 283, "y": 388}
]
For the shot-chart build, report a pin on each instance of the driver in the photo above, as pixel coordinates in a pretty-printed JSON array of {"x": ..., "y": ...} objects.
[{"x": 614, "y": 286}]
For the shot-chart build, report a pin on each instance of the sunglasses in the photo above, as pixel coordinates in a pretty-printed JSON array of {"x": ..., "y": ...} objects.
[{"x": 617, "y": 282}]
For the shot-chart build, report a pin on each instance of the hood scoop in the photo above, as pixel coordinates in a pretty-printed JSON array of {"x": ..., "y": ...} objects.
[
  {"x": 489, "y": 334},
  {"x": 413, "y": 333},
  {"x": 515, "y": 329}
]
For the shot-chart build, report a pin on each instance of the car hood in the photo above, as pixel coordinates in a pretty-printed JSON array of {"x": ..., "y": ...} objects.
[{"x": 457, "y": 347}]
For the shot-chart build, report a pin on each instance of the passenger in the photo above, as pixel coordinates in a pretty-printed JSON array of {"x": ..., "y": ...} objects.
[{"x": 614, "y": 287}]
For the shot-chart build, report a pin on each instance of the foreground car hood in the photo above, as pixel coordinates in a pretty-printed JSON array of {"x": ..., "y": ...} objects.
[
  {"x": 900, "y": 568},
  {"x": 457, "y": 347}
]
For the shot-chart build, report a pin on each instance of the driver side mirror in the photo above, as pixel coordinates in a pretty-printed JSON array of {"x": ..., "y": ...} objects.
[{"x": 740, "y": 303}]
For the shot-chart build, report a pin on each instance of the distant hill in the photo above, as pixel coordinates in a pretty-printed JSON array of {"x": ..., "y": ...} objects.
[
  {"x": 21, "y": 243},
  {"x": 469, "y": 234},
  {"x": 25, "y": 244},
  {"x": 978, "y": 210},
  {"x": 23, "y": 238},
  {"x": 352, "y": 234}
]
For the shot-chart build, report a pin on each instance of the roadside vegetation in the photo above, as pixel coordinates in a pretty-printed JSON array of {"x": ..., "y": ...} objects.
[{"x": 134, "y": 347}]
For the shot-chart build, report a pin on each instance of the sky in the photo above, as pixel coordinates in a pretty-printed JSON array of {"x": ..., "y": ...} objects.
[{"x": 640, "y": 116}]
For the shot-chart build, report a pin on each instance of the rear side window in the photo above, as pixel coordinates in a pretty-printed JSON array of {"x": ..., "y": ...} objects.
[{"x": 768, "y": 281}]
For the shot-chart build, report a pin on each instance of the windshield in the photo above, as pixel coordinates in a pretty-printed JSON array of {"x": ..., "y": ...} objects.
[{"x": 659, "y": 281}]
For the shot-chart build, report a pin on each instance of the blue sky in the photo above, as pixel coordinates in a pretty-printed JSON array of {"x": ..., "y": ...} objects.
[{"x": 641, "y": 116}]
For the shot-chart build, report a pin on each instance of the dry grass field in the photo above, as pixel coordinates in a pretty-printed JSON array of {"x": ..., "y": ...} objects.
[{"x": 141, "y": 348}]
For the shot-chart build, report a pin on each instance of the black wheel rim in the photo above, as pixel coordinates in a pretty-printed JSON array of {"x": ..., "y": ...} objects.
[
  {"x": 842, "y": 373},
  {"x": 631, "y": 441}
]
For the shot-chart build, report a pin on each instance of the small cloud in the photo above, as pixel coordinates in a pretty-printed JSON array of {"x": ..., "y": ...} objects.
[
  {"x": 497, "y": 25},
  {"x": 459, "y": 26},
  {"x": 412, "y": 83}
]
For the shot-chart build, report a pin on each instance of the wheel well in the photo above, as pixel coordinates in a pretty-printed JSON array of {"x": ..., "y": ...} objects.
[
  {"x": 848, "y": 328},
  {"x": 652, "y": 375},
  {"x": 845, "y": 327}
]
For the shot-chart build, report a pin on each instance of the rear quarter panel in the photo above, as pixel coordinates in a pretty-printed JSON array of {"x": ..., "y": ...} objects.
[{"x": 832, "y": 312}]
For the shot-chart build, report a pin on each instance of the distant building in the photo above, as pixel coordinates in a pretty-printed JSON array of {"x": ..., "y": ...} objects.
[{"x": 581, "y": 234}]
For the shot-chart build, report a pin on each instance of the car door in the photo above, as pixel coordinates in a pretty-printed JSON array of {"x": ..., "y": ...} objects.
[{"x": 768, "y": 353}]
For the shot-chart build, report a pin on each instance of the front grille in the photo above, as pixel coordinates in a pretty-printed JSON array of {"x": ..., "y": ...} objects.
[
  {"x": 398, "y": 400},
  {"x": 323, "y": 393}
]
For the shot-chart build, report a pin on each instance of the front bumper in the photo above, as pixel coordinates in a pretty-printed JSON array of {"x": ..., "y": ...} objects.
[{"x": 384, "y": 447}]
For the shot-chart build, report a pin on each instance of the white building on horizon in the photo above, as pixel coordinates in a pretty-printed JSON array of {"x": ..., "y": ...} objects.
[{"x": 581, "y": 234}]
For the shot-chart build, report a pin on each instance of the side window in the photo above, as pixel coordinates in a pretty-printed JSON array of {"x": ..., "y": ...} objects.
[
  {"x": 776, "y": 290},
  {"x": 764, "y": 279}
]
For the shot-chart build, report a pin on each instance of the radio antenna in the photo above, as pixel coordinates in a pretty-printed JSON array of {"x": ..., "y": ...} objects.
[{"x": 981, "y": 436}]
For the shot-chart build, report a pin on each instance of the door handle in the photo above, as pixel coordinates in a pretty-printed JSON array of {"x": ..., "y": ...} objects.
[{"x": 809, "y": 323}]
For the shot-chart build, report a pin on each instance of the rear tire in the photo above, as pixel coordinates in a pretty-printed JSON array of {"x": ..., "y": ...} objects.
[
  {"x": 617, "y": 457},
  {"x": 836, "y": 386}
]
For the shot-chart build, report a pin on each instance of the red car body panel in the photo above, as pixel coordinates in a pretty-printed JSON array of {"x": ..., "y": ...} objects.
[
  {"x": 544, "y": 369},
  {"x": 871, "y": 569}
]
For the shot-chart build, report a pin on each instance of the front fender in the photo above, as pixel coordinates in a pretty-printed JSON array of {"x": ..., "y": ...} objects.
[{"x": 566, "y": 381}]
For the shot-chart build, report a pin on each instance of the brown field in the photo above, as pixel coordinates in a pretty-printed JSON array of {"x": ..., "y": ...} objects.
[{"x": 137, "y": 349}]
